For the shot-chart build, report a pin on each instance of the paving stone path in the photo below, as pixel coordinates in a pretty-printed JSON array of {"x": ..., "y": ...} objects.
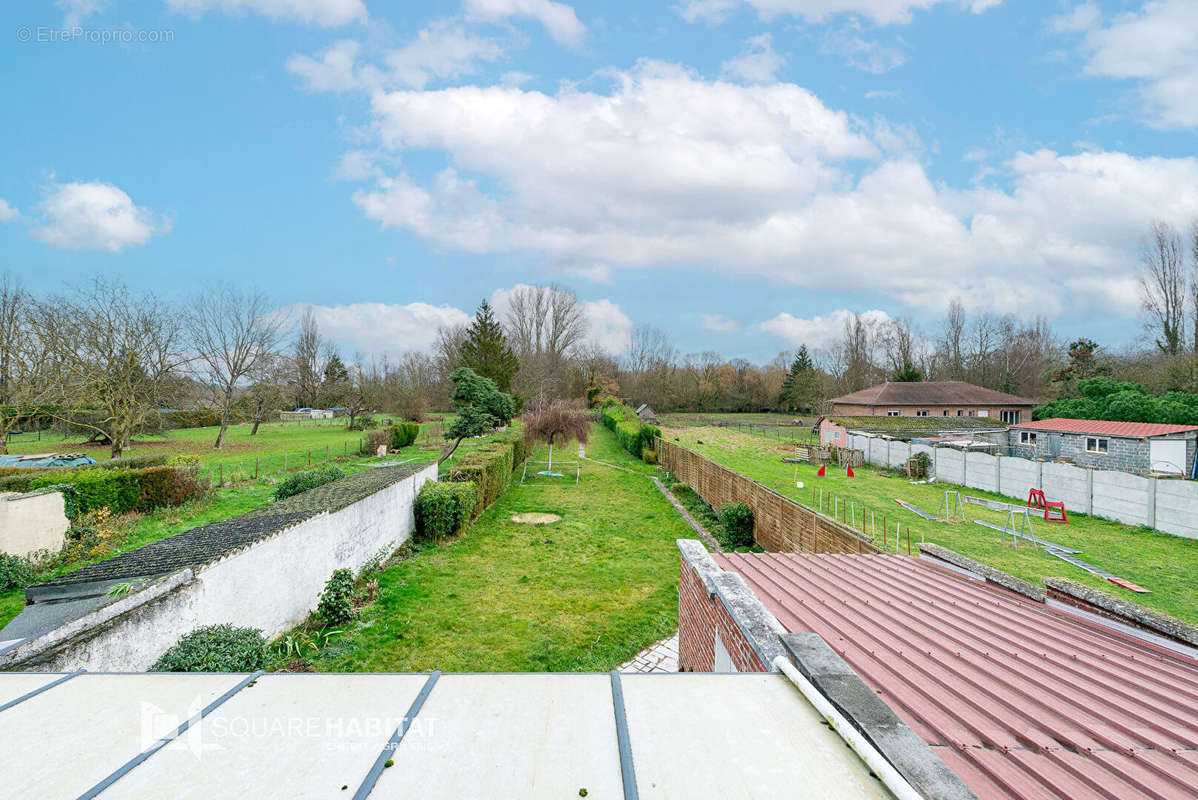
[{"x": 661, "y": 657}]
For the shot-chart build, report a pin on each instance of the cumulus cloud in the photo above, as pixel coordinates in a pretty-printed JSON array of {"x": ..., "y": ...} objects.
[
  {"x": 1156, "y": 47},
  {"x": 375, "y": 329},
  {"x": 94, "y": 216},
  {"x": 820, "y": 333},
  {"x": 758, "y": 63},
  {"x": 650, "y": 175},
  {"x": 79, "y": 10},
  {"x": 8, "y": 213},
  {"x": 718, "y": 323},
  {"x": 609, "y": 328},
  {"x": 558, "y": 19},
  {"x": 323, "y": 13},
  {"x": 881, "y": 12},
  {"x": 333, "y": 71}
]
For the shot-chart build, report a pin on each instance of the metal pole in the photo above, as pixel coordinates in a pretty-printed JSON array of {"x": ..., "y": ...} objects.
[{"x": 255, "y": 467}]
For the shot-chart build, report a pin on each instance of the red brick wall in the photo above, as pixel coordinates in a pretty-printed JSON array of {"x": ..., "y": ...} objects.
[{"x": 699, "y": 618}]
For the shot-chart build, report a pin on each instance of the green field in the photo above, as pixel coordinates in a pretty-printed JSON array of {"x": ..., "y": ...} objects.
[
  {"x": 585, "y": 593},
  {"x": 1165, "y": 564},
  {"x": 276, "y": 446},
  {"x": 129, "y": 531}
]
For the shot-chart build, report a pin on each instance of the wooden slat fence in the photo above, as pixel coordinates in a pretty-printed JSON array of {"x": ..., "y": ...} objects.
[{"x": 780, "y": 524}]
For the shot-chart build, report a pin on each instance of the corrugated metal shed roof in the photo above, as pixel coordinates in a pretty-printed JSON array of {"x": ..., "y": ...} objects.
[
  {"x": 1028, "y": 702},
  {"x": 931, "y": 393},
  {"x": 1105, "y": 427},
  {"x": 689, "y": 735}
]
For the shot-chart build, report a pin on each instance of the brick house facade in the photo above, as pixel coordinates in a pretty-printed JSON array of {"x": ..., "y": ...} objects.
[{"x": 933, "y": 399}]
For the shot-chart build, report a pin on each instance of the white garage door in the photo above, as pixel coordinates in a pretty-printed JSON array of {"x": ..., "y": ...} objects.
[{"x": 1168, "y": 455}]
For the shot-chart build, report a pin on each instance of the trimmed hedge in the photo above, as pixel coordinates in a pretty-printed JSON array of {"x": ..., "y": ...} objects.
[
  {"x": 308, "y": 479},
  {"x": 404, "y": 434},
  {"x": 490, "y": 468},
  {"x": 634, "y": 437},
  {"x": 215, "y": 648},
  {"x": 118, "y": 490},
  {"x": 444, "y": 508}
]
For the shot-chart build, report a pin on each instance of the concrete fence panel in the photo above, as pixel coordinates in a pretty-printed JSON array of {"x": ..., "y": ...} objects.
[
  {"x": 1120, "y": 496},
  {"x": 1177, "y": 507},
  {"x": 897, "y": 453},
  {"x": 950, "y": 465},
  {"x": 981, "y": 471},
  {"x": 1067, "y": 483},
  {"x": 1019, "y": 476}
]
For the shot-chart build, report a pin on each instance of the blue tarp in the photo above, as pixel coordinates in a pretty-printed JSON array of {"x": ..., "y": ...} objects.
[{"x": 49, "y": 460}]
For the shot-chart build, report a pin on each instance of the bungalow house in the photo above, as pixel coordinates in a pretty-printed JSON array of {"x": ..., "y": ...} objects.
[
  {"x": 934, "y": 399},
  {"x": 1103, "y": 444}
]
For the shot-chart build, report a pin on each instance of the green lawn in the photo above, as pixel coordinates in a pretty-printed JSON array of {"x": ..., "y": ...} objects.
[
  {"x": 1165, "y": 564},
  {"x": 276, "y": 446},
  {"x": 585, "y": 593},
  {"x": 135, "y": 530}
]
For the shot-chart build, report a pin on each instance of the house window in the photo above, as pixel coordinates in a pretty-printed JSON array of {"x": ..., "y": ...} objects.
[
  {"x": 1096, "y": 445},
  {"x": 1027, "y": 437},
  {"x": 984, "y": 413},
  {"x": 971, "y": 413},
  {"x": 960, "y": 413},
  {"x": 946, "y": 412},
  {"x": 892, "y": 413},
  {"x": 836, "y": 436},
  {"x": 921, "y": 413},
  {"x": 1010, "y": 417}
]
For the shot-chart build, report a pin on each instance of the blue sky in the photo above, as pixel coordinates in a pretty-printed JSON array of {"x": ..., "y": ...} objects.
[{"x": 737, "y": 172}]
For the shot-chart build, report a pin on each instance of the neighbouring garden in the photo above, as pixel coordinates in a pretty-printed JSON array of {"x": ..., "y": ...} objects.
[{"x": 1165, "y": 564}]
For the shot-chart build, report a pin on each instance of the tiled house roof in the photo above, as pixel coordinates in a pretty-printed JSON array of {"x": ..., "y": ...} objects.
[{"x": 931, "y": 393}]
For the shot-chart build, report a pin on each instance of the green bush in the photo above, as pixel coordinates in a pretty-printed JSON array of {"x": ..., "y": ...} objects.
[
  {"x": 215, "y": 648},
  {"x": 118, "y": 490},
  {"x": 308, "y": 479},
  {"x": 444, "y": 508},
  {"x": 404, "y": 434},
  {"x": 15, "y": 572},
  {"x": 140, "y": 462},
  {"x": 490, "y": 468},
  {"x": 634, "y": 437},
  {"x": 737, "y": 519},
  {"x": 337, "y": 600},
  {"x": 185, "y": 460},
  {"x": 168, "y": 486}
]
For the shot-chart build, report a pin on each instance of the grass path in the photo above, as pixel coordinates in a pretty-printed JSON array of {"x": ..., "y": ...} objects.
[
  {"x": 1165, "y": 564},
  {"x": 586, "y": 593}
]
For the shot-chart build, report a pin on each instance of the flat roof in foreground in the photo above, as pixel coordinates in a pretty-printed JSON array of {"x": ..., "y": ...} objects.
[
  {"x": 1020, "y": 700},
  {"x": 470, "y": 736}
]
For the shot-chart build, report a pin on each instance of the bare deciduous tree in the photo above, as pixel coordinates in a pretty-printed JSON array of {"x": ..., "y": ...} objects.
[
  {"x": 21, "y": 359},
  {"x": 231, "y": 333},
  {"x": 545, "y": 325},
  {"x": 308, "y": 369},
  {"x": 1163, "y": 287},
  {"x": 113, "y": 356}
]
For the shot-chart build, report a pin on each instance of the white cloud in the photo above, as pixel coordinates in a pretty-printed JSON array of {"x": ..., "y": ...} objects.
[
  {"x": 758, "y": 63},
  {"x": 1157, "y": 47},
  {"x": 79, "y": 10},
  {"x": 863, "y": 54},
  {"x": 324, "y": 13},
  {"x": 375, "y": 329},
  {"x": 718, "y": 323},
  {"x": 558, "y": 19},
  {"x": 333, "y": 71},
  {"x": 95, "y": 216},
  {"x": 443, "y": 50},
  {"x": 608, "y": 327},
  {"x": 820, "y": 333},
  {"x": 8, "y": 213},
  {"x": 881, "y": 12},
  {"x": 650, "y": 175},
  {"x": 1081, "y": 17}
]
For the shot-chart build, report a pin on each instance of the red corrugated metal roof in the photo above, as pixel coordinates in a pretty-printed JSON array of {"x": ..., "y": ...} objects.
[
  {"x": 1105, "y": 427},
  {"x": 1020, "y": 700}
]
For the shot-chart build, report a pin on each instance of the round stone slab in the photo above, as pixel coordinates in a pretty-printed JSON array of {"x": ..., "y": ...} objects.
[{"x": 533, "y": 518}]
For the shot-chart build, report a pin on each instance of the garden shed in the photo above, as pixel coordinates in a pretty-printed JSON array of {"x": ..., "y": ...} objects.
[
  {"x": 646, "y": 414},
  {"x": 1140, "y": 447}
]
